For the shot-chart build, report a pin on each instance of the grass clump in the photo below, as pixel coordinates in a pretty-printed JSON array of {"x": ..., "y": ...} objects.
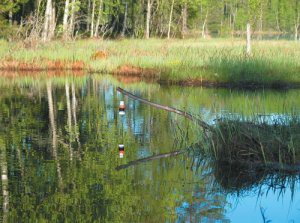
[{"x": 255, "y": 142}]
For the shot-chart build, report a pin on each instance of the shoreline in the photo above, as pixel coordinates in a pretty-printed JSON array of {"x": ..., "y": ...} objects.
[
  {"x": 219, "y": 63},
  {"x": 275, "y": 85}
]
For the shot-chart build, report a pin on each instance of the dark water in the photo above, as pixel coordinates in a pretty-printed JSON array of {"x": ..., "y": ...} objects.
[{"x": 59, "y": 153}]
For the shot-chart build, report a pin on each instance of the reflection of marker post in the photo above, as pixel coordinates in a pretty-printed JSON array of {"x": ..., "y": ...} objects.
[
  {"x": 121, "y": 151},
  {"x": 122, "y": 108}
]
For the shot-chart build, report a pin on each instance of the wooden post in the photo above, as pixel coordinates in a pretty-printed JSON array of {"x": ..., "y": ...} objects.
[{"x": 248, "y": 46}]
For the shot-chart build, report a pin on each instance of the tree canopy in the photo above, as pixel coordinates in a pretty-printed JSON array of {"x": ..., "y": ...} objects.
[{"x": 162, "y": 18}]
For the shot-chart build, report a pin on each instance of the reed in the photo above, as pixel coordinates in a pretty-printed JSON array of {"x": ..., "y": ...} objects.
[{"x": 257, "y": 142}]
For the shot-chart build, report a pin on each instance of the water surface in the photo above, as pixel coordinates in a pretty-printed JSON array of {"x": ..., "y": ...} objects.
[{"x": 59, "y": 152}]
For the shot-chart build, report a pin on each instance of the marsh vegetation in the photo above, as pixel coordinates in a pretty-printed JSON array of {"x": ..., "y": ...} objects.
[{"x": 188, "y": 62}]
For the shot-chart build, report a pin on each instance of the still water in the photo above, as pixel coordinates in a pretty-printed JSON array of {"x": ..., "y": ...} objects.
[{"x": 60, "y": 160}]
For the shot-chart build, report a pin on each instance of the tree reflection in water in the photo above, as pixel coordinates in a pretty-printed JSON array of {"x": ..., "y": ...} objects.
[{"x": 59, "y": 142}]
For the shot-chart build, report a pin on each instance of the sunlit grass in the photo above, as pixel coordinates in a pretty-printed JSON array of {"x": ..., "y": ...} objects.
[{"x": 194, "y": 61}]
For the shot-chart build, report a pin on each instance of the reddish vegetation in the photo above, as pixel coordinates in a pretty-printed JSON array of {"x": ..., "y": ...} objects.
[
  {"x": 130, "y": 70},
  {"x": 98, "y": 55},
  {"x": 42, "y": 65}
]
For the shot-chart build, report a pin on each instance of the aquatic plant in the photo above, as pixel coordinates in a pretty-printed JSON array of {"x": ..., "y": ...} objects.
[{"x": 257, "y": 142}]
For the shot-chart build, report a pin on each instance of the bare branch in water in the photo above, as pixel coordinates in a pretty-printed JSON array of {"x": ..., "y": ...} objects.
[
  {"x": 203, "y": 124},
  {"x": 149, "y": 158}
]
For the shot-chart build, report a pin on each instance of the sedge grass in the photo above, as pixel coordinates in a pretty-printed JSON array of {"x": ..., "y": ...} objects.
[{"x": 193, "y": 61}]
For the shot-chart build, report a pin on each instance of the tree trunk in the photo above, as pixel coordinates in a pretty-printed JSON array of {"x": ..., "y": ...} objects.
[
  {"x": 52, "y": 22},
  {"x": 277, "y": 21},
  {"x": 184, "y": 20},
  {"x": 248, "y": 47},
  {"x": 88, "y": 16},
  {"x": 296, "y": 32},
  {"x": 132, "y": 18},
  {"x": 148, "y": 18},
  {"x": 10, "y": 13},
  {"x": 204, "y": 25},
  {"x": 72, "y": 18},
  {"x": 297, "y": 23},
  {"x": 37, "y": 4},
  {"x": 261, "y": 21},
  {"x": 65, "y": 20},
  {"x": 125, "y": 21},
  {"x": 170, "y": 19},
  {"x": 98, "y": 18},
  {"x": 92, "y": 19},
  {"x": 48, "y": 12}
]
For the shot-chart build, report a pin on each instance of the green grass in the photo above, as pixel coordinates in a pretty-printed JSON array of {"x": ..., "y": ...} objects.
[{"x": 193, "y": 61}]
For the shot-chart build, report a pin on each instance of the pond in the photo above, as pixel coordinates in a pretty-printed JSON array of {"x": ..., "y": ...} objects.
[{"x": 60, "y": 161}]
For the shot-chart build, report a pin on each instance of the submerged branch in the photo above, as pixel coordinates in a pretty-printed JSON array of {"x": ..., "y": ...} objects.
[
  {"x": 149, "y": 158},
  {"x": 203, "y": 124}
]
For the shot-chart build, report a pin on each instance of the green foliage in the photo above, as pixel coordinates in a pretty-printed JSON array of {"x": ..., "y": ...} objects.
[{"x": 222, "y": 18}]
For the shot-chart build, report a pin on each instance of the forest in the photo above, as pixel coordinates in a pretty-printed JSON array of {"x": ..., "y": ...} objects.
[{"x": 72, "y": 19}]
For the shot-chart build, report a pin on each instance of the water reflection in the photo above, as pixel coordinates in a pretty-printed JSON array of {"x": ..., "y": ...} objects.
[{"x": 59, "y": 143}]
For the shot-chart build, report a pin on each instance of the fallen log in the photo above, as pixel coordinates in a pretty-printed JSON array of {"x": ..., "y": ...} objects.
[{"x": 203, "y": 124}]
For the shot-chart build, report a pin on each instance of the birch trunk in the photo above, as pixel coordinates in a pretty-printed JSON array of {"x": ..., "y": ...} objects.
[
  {"x": 170, "y": 19},
  {"x": 88, "y": 16},
  {"x": 277, "y": 21},
  {"x": 148, "y": 18},
  {"x": 296, "y": 32},
  {"x": 65, "y": 20},
  {"x": 98, "y": 18},
  {"x": 37, "y": 4},
  {"x": 72, "y": 18},
  {"x": 297, "y": 26},
  {"x": 204, "y": 25},
  {"x": 261, "y": 21},
  {"x": 184, "y": 20},
  {"x": 52, "y": 24},
  {"x": 248, "y": 45},
  {"x": 48, "y": 12},
  {"x": 92, "y": 19},
  {"x": 10, "y": 13},
  {"x": 125, "y": 20}
]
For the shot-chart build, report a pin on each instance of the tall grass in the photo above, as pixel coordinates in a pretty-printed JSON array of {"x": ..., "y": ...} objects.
[
  {"x": 191, "y": 61},
  {"x": 257, "y": 142}
]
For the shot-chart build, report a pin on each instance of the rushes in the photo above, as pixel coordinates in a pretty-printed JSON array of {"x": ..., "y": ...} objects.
[{"x": 256, "y": 141}]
